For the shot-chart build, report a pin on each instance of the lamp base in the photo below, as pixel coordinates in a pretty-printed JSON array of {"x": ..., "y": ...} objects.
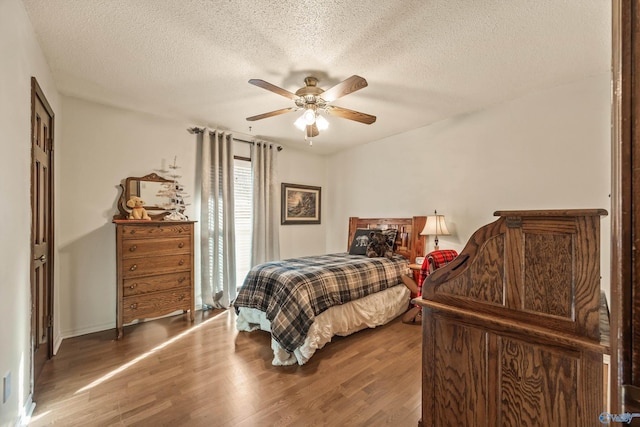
[{"x": 426, "y": 249}]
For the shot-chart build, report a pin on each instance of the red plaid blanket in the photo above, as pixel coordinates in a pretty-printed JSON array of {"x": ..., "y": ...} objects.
[{"x": 438, "y": 259}]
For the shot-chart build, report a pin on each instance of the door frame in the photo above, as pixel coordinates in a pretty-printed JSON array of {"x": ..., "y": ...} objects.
[
  {"x": 625, "y": 208},
  {"x": 37, "y": 93}
]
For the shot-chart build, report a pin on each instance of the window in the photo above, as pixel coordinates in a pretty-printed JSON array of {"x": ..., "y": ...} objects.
[{"x": 243, "y": 194}]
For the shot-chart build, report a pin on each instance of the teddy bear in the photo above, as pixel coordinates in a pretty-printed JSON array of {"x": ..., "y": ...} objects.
[
  {"x": 137, "y": 209},
  {"x": 379, "y": 246}
]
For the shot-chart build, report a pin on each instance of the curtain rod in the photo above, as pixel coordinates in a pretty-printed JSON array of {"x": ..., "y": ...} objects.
[{"x": 196, "y": 129}]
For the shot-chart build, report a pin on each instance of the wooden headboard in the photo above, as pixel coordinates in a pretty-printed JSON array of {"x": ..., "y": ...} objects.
[{"x": 409, "y": 246}]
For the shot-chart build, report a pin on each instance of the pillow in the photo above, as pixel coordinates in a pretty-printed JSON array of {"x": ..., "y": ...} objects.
[
  {"x": 379, "y": 246},
  {"x": 391, "y": 234},
  {"x": 361, "y": 241}
]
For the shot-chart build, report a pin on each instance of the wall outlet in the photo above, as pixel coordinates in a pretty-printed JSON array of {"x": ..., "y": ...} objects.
[{"x": 6, "y": 387}]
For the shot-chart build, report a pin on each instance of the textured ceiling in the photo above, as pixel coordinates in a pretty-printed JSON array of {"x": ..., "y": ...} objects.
[{"x": 424, "y": 60}]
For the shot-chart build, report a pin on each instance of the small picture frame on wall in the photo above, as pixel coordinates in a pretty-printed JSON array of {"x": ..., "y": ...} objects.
[{"x": 300, "y": 204}]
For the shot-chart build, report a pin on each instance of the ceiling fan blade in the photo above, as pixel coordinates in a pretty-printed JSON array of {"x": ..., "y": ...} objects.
[
  {"x": 273, "y": 88},
  {"x": 351, "y": 115},
  {"x": 312, "y": 131},
  {"x": 343, "y": 88},
  {"x": 271, "y": 114}
]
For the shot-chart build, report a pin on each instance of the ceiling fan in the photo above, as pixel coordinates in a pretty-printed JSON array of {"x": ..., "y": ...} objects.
[{"x": 314, "y": 100}]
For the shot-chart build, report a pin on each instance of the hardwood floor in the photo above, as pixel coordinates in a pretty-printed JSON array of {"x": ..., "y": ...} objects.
[{"x": 170, "y": 373}]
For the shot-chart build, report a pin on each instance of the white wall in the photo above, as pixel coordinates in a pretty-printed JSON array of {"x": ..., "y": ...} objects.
[
  {"x": 20, "y": 58},
  {"x": 547, "y": 150},
  {"x": 299, "y": 167},
  {"x": 101, "y": 145}
]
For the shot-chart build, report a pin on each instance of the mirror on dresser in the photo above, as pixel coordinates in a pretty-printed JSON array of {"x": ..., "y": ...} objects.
[{"x": 147, "y": 188}]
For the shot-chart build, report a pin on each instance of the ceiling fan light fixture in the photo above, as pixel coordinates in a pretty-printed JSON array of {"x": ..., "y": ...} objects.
[
  {"x": 309, "y": 116},
  {"x": 321, "y": 123},
  {"x": 300, "y": 123},
  {"x": 312, "y": 100}
]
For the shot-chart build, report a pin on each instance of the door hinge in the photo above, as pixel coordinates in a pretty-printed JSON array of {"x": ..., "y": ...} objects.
[{"x": 49, "y": 321}]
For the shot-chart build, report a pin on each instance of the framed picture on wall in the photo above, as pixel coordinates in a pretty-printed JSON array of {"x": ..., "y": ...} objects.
[{"x": 300, "y": 204}]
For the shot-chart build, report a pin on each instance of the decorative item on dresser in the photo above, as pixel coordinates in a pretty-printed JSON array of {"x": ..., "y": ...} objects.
[
  {"x": 154, "y": 260},
  {"x": 511, "y": 326}
]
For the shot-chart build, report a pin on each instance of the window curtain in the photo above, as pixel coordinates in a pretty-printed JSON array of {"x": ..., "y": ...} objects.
[
  {"x": 217, "y": 228},
  {"x": 265, "y": 244}
]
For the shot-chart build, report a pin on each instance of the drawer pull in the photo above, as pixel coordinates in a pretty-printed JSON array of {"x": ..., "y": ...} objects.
[
  {"x": 182, "y": 279},
  {"x": 181, "y": 245},
  {"x": 133, "y": 306},
  {"x": 181, "y": 262},
  {"x": 181, "y": 297},
  {"x": 133, "y": 248},
  {"x": 133, "y": 267},
  {"x": 133, "y": 231},
  {"x": 133, "y": 286}
]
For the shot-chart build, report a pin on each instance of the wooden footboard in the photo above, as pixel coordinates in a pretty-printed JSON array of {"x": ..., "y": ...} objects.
[{"x": 511, "y": 327}]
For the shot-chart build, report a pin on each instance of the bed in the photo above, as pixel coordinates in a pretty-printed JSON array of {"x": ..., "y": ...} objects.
[{"x": 304, "y": 302}]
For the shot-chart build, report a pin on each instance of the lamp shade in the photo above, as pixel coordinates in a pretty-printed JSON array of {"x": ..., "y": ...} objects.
[{"x": 435, "y": 226}]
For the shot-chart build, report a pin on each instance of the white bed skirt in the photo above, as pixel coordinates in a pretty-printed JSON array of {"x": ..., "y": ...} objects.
[{"x": 368, "y": 312}]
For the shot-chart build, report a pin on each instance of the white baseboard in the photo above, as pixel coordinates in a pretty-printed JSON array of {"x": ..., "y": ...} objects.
[
  {"x": 57, "y": 342},
  {"x": 25, "y": 414},
  {"x": 99, "y": 328},
  {"x": 87, "y": 330}
]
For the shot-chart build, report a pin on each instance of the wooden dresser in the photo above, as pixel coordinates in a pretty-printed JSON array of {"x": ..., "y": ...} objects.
[{"x": 155, "y": 269}]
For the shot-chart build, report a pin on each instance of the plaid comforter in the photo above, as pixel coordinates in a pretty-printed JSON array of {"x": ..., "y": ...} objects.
[{"x": 292, "y": 292}]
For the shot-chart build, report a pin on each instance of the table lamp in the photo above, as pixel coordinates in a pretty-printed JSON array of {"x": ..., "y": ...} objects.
[{"x": 435, "y": 226}]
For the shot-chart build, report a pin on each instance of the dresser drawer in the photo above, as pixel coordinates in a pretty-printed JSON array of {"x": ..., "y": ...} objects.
[
  {"x": 154, "y": 265},
  {"x": 144, "y": 285},
  {"x": 144, "y": 247},
  {"x": 155, "y": 230},
  {"x": 155, "y": 305},
  {"x": 155, "y": 269}
]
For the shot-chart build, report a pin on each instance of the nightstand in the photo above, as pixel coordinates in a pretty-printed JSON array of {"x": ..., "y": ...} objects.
[{"x": 415, "y": 269}]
